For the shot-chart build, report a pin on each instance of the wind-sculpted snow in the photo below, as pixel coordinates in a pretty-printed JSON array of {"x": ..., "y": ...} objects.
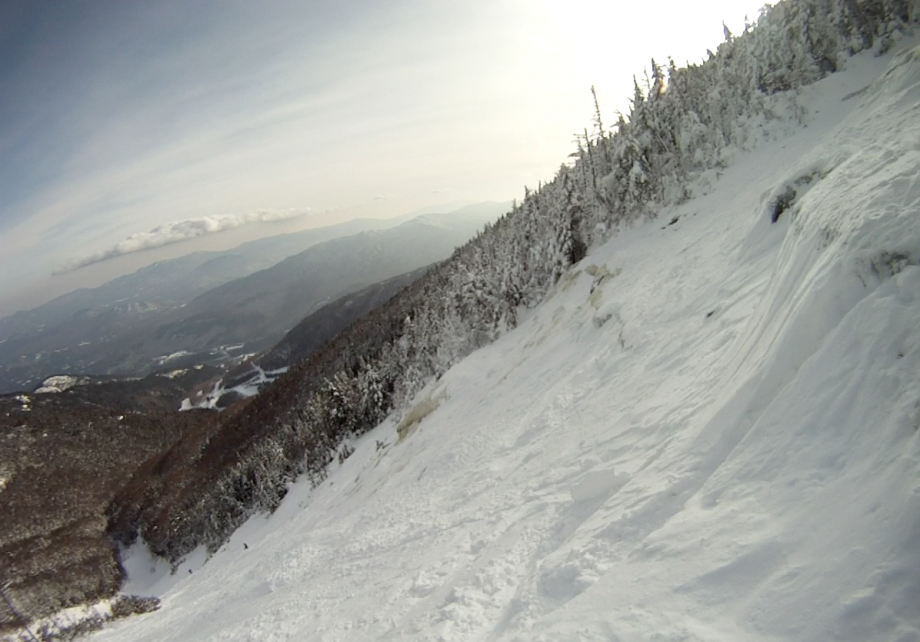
[
  {"x": 709, "y": 430},
  {"x": 854, "y": 228}
]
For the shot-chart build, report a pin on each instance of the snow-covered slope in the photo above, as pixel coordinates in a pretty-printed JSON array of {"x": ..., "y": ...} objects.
[{"x": 710, "y": 430}]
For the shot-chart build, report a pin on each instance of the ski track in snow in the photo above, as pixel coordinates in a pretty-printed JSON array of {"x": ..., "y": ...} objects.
[{"x": 719, "y": 443}]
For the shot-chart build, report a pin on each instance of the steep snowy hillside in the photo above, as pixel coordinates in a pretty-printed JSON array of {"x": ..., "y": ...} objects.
[{"x": 710, "y": 430}]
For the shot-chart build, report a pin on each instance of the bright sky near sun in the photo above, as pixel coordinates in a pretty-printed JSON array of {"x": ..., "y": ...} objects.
[{"x": 128, "y": 124}]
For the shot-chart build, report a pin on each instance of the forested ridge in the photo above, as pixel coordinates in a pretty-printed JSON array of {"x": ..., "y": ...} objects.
[
  {"x": 683, "y": 122},
  {"x": 64, "y": 456}
]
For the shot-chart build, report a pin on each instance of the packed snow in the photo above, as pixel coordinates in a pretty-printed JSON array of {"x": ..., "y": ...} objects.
[{"x": 710, "y": 430}]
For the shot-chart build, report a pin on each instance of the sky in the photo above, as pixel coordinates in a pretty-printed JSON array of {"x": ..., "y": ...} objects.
[{"x": 133, "y": 131}]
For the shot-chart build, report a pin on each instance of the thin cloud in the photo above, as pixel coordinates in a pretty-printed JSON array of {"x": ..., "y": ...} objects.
[{"x": 177, "y": 232}]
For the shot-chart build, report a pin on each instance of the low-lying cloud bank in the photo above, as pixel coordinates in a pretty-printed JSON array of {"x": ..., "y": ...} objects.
[{"x": 177, "y": 232}]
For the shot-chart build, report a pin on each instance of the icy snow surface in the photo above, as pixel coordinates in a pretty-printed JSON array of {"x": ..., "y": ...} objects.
[{"x": 720, "y": 443}]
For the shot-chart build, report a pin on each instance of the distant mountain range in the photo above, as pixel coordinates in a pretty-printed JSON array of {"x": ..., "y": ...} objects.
[
  {"x": 176, "y": 281},
  {"x": 211, "y": 306}
]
